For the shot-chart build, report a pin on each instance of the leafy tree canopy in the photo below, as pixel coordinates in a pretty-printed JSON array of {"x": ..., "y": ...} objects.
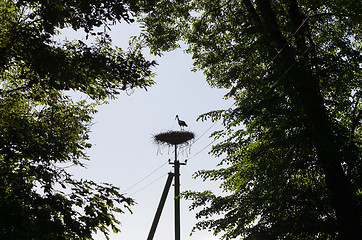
[
  {"x": 42, "y": 129},
  {"x": 291, "y": 152}
]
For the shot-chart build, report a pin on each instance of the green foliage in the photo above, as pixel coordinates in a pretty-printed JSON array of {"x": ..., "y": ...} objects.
[
  {"x": 291, "y": 152},
  {"x": 98, "y": 70},
  {"x": 43, "y": 131}
]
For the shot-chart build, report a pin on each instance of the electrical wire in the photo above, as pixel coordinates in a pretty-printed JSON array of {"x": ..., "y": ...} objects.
[
  {"x": 147, "y": 176},
  {"x": 201, "y": 150},
  {"x": 139, "y": 190}
]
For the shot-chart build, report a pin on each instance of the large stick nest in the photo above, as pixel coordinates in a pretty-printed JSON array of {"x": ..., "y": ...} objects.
[{"x": 174, "y": 137}]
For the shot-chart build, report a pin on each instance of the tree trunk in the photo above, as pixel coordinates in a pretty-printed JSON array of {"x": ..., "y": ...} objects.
[
  {"x": 329, "y": 155},
  {"x": 320, "y": 127}
]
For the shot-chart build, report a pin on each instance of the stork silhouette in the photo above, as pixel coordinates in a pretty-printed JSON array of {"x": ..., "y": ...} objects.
[{"x": 181, "y": 123}]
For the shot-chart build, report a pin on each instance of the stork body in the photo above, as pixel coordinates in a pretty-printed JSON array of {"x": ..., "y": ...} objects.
[{"x": 181, "y": 123}]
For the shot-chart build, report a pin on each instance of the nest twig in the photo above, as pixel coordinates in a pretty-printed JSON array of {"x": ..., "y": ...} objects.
[{"x": 174, "y": 137}]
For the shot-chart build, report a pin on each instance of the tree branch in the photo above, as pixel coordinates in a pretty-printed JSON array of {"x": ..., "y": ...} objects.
[
  {"x": 299, "y": 21},
  {"x": 3, "y": 92},
  {"x": 356, "y": 120},
  {"x": 270, "y": 23},
  {"x": 250, "y": 8}
]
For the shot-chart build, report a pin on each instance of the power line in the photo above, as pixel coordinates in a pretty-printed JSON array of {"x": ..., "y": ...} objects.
[
  {"x": 139, "y": 190},
  {"x": 212, "y": 125},
  {"x": 144, "y": 178},
  {"x": 201, "y": 150}
]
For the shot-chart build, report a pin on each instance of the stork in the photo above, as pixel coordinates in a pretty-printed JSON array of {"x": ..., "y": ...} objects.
[{"x": 181, "y": 123}]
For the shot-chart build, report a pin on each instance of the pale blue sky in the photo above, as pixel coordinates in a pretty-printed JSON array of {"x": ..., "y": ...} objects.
[{"x": 124, "y": 151}]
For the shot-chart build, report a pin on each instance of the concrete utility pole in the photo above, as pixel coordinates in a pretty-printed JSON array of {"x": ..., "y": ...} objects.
[
  {"x": 176, "y": 165},
  {"x": 171, "y": 138}
]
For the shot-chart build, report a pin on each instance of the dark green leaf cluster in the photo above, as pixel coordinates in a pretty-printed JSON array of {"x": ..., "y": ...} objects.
[
  {"x": 43, "y": 131},
  {"x": 78, "y": 14},
  {"x": 31, "y": 56},
  {"x": 291, "y": 165},
  {"x": 39, "y": 199}
]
